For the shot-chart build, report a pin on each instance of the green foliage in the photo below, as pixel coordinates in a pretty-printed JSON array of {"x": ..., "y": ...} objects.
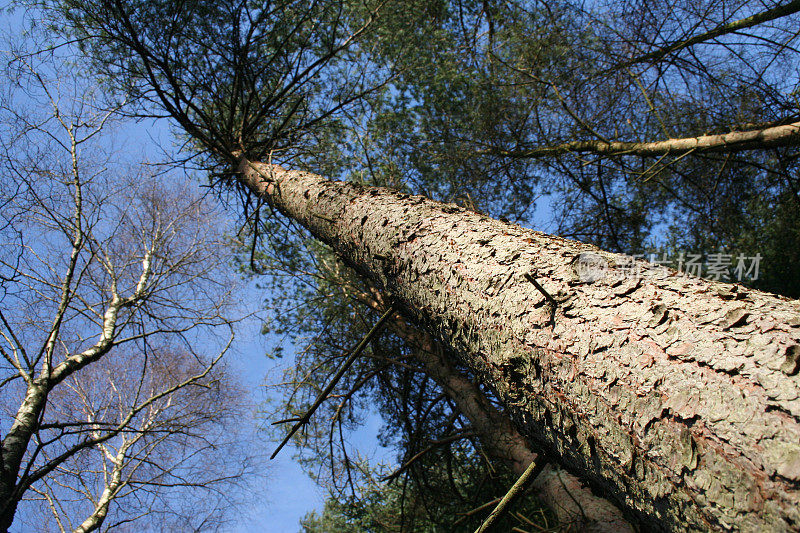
[
  {"x": 396, "y": 508},
  {"x": 265, "y": 78},
  {"x": 481, "y": 81}
]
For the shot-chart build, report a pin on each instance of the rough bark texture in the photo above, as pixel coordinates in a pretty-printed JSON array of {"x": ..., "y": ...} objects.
[
  {"x": 573, "y": 503},
  {"x": 676, "y": 397}
]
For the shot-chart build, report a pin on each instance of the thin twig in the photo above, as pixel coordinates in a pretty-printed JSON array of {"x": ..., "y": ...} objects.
[
  {"x": 513, "y": 493},
  {"x": 548, "y": 297},
  {"x": 377, "y": 328},
  {"x": 476, "y": 510},
  {"x": 432, "y": 446}
]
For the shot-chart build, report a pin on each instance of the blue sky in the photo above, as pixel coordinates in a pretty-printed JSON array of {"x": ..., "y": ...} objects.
[{"x": 288, "y": 492}]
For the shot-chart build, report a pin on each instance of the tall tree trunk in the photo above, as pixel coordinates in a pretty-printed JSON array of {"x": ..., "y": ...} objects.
[
  {"x": 14, "y": 446},
  {"x": 572, "y": 502},
  {"x": 673, "y": 396}
]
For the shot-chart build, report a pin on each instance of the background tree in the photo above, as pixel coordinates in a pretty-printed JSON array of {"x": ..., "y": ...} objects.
[
  {"x": 182, "y": 451},
  {"x": 113, "y": 302}
]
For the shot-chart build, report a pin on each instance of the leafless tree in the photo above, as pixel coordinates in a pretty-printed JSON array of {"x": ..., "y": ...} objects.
[{"x": 116, "y": 313}]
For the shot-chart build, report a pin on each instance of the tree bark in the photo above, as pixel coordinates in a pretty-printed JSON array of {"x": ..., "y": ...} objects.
[
  {"x": 14, "y": 446},
  {"x": 571, "y": 501},
  {"x": 675, "y": 397}
]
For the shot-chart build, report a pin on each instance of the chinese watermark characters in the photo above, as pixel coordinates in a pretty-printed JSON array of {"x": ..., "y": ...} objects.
[{"x": 590, "y": 267}]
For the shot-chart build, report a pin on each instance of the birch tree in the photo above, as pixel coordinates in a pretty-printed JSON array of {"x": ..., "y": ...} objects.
[
  {"x": 108, "y": 283},
  {"x": 673, "y": 396}
]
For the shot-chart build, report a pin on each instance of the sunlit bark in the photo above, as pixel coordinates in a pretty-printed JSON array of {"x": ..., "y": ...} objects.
[{"x": 673, "y": 396}]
